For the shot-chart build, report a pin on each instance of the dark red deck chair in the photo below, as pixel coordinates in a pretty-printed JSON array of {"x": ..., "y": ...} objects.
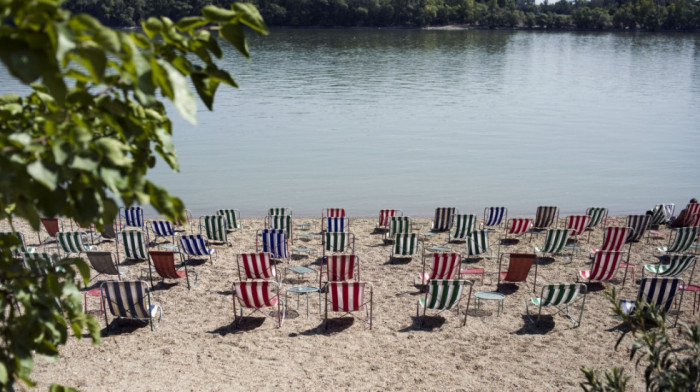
[
  {"x": 518, "y": 268},
  {"x": 164, "y": 264},
  {"x": 52, "y": 226}
]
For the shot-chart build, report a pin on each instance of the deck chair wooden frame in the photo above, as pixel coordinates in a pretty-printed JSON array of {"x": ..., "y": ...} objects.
[
  {"x": 348, "y": 298},
  {"x": 257, "y": 295},
  {"x": 444, "y": 295},
  {"x": 164, "y": 264},
  {"x": 560, "y": 296},
  {"x": 519, "y": 267}
]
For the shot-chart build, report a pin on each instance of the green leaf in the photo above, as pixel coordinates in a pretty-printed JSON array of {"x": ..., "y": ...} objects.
[
  {"x": 108, "y": 39},
  {"x": 183, "y": 97},
  {"x": 218, "y": 15},
  {"x": 42, "y": 174},
  {"x": 250, "y": 16},
  {"x": 10, "y": 98},
  {"x": 190, "y": 22},
  {"x": 65, "y": 41},
  {"x": 12, "y": 108},
  {"x": 113, "y": 150},
  {"x": 84, "y": 163},
  {"x": 25, "y": 64},
  {"x": 234, "y": 34},
  {"x": 152, "y": 27},
  {"x": 94, "y": 60},
  {"x": 113, "y": 179},
  {"x": 61, "y": 388},
  {"x": 3, "y": 374}
]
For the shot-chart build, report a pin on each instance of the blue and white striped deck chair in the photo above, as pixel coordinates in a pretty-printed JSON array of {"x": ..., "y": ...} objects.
[
  {"x": 677, "y": 264},
  {"x": 133, "y": 217},
  {"x": 73, "y": 242},
  {"x": 463, "y": 225},
  {"x": 494, "y": 217},
  {"x": 21, "y": 247},
  {"x": 215, "y": 228},
  {"x": 130, "y": 299},
  {"x": 655, "y": 291},
  {"x": 662, "y": 213},
  {"x": 478, "y": 243},
  {"x": 163, "y": 228},
  {"x": 274, "y": 241},
  {"x": 283, "y": 222},
  {"x": 337, "y": 225},
  {"x": 596, "y": 215},
  {"x": 279, "y": 211},
  {"x": 233, "y": 218},
  {"x": 195, "y": 245},
  {"x": 639, "y": 225},
  {"x": 444, "y": 217},
  {"x": 338, "y": 243},
  {"x": 398, "y": 225},
  {"x": 133, "y": 244}
]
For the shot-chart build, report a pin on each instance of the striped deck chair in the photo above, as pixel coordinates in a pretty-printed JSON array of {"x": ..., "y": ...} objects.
[
  {"x": 108, "y": 232},
  {"x": 694, "y": 221},
  {"x": 233, "y": 218},
  {"x": 398, "y": 225},
  {"x": 130, "y": 299},
  {"x": 339, "y": 268},
  {"x": 385, "y": 216},
  {"x": 444, "y": 217},
  {"x": 443, "y": 266},
  {"x": 444, "y": 294},
  {"x": 20, "y": 246},
  {"x": 614, "y": 239},
  {"x": 162, "y": 228},
  {"x": 478, "y": 243},
  {"x": 655, "y": 291},
  {"x": 257, "y": 295},
  {"x": 519, "y": 268},
  {"x": 555, "y": 242},
  {"x": 463, "y": 226},
  {"x": 52, "y": 227},
  {"x": 559, "y": 295},
  {"x": 662, "y": 213},
  {"x": 215, "y": 228},
  {"x": 405, "y": 245},
  {"x": 494, "y": 216},
  {"x": 275, "y": 242},
  {"x": 283, "y": 222},
  {"x": 639, "y": 225},
  {"x": 596, "y": 215},
  {"x": 692, "y": 209},
  {"x": 546, "y": 216},
  {"x": 105, "y": 263},
  {"x": 256, "y": 265},
  {"x": 73, "y": 242},
  {"x": 684, "y": 238},
  {"x": 605, "y": 265},
  {"x": 349, "y": 297},
  {"x": 279, "y": 211},
  {"x": 337, "y": 225},
  {"x": 338, "y": 243},
  {"x": 518, "y": 226},
  {"x": 578, "y": 224},
  {"x": 195, "y": 245},
  {"x": 164, "y": 264},
  {"x": 134, "y": 245},
  {"x": 39, "y": 263},
  {"x": 677, "y": 264},
  {"x": 133, "y": 217}
]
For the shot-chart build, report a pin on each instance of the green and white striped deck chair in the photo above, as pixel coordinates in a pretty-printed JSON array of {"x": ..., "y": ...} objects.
[
  {"x": 283, "y": 222},
  {"x": 405, "y": 245},
  {"x": 596, "y": 215},
  {"x": 337, "y": 242},
  {"x": 73, "y": 242},
  {"x": 463, "y": 225},
  {"x": 559, "y": 295},
  {"x": 279, "y": 211},
  {"x": 444, "y": 294},
  {"x": 21, "y": 247},
  {"x": 555, "y": 242},
  {"x": 478, "y": 243},
  {"x": 233, "y": 218},
  {"x": 677, "y": 264},
  {"x": 398, "y": 225},
  {"x": 662, "y": 213},
  {"x": 39, "y": 263},
  {"x": 684, "y": 238},
  {"x": 214, "y": 228},
  {"x": 133, "y": 242}
]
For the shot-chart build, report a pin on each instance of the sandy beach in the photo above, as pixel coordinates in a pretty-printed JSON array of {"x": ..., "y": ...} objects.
[{"x": 197, "y": 346}]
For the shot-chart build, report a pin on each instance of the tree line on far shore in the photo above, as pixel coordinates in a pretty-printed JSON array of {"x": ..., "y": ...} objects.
[{"x": 649, "y": 15}]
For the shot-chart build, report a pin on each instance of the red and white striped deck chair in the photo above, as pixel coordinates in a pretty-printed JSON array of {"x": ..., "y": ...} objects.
[
  {"x": 694, "y": 220},
  {"x": 331, "y": 213},
  {"x": 693, "y": 208},
  {"x": 348, "y": 297},
  {"x": 340, "y": 268},
  {"x": 518, "y": 226},
  {"x": 256, "y": 265},
  {"x": 614, "y": 239},
  {"x": 257, "y": 295},
  {"x": 605, "y": 265},
  {"x": 443, "y": 265},
  {"x": 577, "y": 224},
  {"x": 385, "y": 217}
]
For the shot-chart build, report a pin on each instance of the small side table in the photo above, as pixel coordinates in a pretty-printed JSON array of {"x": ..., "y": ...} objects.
[
  {"x": 300, "y": 270},
  {"x": 490, "y": 296},
  {"x": 438, "y": 249},
  {"x": 304, "y": 290},
  {"x": 308, "y": 251}
]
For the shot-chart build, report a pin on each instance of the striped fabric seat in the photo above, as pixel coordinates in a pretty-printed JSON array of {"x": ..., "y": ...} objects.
[
  {"x": 338, "y": 242},
  {"x": 554, "y": 242},
  {"x": 39, "y": 263},
  {"x": 399, "y": 225},
  {"x": 693, "y": 208},
  {"x": 274, "y": 241},
  {"x": 162, "y": 228},
  {"x": 577, "y": 224},
  {"x": 340, "y": 268},
  {"x": 257, "y": 295},
  {"x": 443, "y": 218},
  {"x": 214, "y": 227},
  {"x": 279, "y": 211},
  {"x": 639, "y": 225},
  {"x": 662, "y": 213},
  {"x": 546, "y": 216},
  {"x": 444, "y": 294},
  {"x": 443, "y": 266},
  {"x": 463, "y": 225},
  {"x": 164, "y": 264},
  {"x": 195, "y": 245},
  {"x": 405, "y": 245},
  {"x": 105, "y": 263},
  {"x": 283, "y": 222},
  {"x": 614, "y": 238},
  {"x": 385, "y": 217},
  {"x": 73, "y": 242},
  {"x": 337, "y": 224},
  {"x": 494, "y": 216},
  {"x": 333, "y": 213},
  {"x": 130, "y": 299},
  {"x": 657, "y": 291},
  {"x": 596, "y": 215},
  {"x": 133, "y": 244},
  {"x": 20, "y": 247},
  {"x": 233, "y": 218},
  {"x": 684, "y": 238},
  {"x": 557, "y": 295},
  {"x": 694, "y": 220},
  {"x": 133, "y": 217},
  {"x": 519, "y": 268},
  {"x": 677, "y": 265},
  {"x": 478, "y": 242},
  {"x": 348, "y": 297},
  {"x": 605, "y": 265},
  {"x": 256, "y": 265},
  {"x": 518, "y": 226}
]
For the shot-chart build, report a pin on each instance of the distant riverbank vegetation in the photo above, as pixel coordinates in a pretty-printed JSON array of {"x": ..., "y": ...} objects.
[{"x": 649, "y": 15}]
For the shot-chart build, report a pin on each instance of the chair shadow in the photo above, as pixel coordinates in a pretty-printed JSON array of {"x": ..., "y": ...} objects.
[
  {"x": 508, "y": 288},
  {"x": 545, "y": 260},
  {"x": 132, "y": 262},
  {"x": 540, "y": 327},
  {"x": 196, "y": 262},
  {"x": 246, "y": 325},
  {"x": 335, "y": 325},
  {"x": 595, "y": 287},
  {"x": 165, "y": 286},
  {"x": 122, "y": 326},
  {"x": 378, "y": 230},
  {"x": 300, "y": 256},
  {"x": 398, "y": 261},
  {"x": 225, "y": 292},
  {"x": 411, "y": 293},
  {"x": 430, "y": 323},
  {"x": 318, "y": 261},
  {"x": 472, "y": 260},
  {"x": 510, "y": 241}
]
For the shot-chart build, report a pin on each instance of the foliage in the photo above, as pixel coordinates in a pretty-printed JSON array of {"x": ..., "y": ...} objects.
[
  {"x": 672, "y": 364},
  {"x": 85, "y": 138}
]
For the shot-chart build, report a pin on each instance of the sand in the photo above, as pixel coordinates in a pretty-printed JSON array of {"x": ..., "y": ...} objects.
[{"x": 197, "y": 346}]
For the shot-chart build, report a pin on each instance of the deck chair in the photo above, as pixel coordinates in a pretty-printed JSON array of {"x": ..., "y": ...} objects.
[
  {"x": 614, "y": 239},
  {"x": 657, "y": 291},
  {"x": 605, "y": 265},
  {"x": 518, "y": 269},
  {"x": 133, "y": 217},
  {"x": 677, "y": 264},
  {"x": 398, "y": 225},
  {"x": 279, "y": 211},
  {"x": 662, "y": 213},
  {"x": 273, "y": 241},
  {"x": 283, "y": 222},
  {"x": 339, "y": 268},
  {"x": 385, "y": 217},
  {"x": 444, "y": 217},
  {"x": 578, "y": 224},
  {"x": 444, "y": 294},
  {"x": 163, "y": 228},
  {"x": 130, "y": 299},
  {"x": 134, "y": 245},
  {"x": 338, "y": 242},
  {"x": 257, "y": 265},
  {"x": 518, "y": 226},
  {"x": 108, "y": 232},
  {"x": 74, "y": 242},
  {"x": 348, "y": 297},
  {"x": 336, "y": 224},
  {"x": 443, "y": 266},
  {"x": 494, "y": 216},
  {"x": 694, "y": 220},
  {"x": 463, "y": 226},
  {"x": 232, "y": 217},
  {"x": 559, "y": 295},
  {"x": 545, "y": 217},
  {"x": 478, "y": 243},
  {"x": 105, "y": 263},
  {"x": 639, "y": 225},
  {"x": 52, "y": 227},
  {"x": 164, "y": 264},
  {"x": 555, "y": 242},
  {"x": 257, "y": 295},
  {"x": 20, "y": 247},
  {"x": 180, "y": 225},
  {"x": 406, "y": 245},
  {"x": 596, "y": 215},
  {"x": 39, "y": 263},
  {"x": 214, "y": 228},
  {"x": 683, "y": 240},
  {"x": 195, "y": 245}
]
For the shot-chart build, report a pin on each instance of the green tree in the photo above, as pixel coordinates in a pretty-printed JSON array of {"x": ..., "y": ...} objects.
[{"x": 83, "y": 140}]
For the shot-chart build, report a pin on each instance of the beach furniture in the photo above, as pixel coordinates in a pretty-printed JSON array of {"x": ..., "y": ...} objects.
[
  {"x": 39, "y": 263},
  {"x": 494, "y": 216},
  {"x": 105, "y": 263},
  {"x": 233, "y": 218},
  {"x": 405, "y": 245},
  {"x": 52, "y": 227},
  {"x": 133, "y": 244},
  {"x": 545, "y": 217},
  {"x": 443, "y": 265},
  {"x": 195, "y": 245},
  {"x": 463, "y": 225},
  {"x": 279, "y": 211},
  {"x": 336, "y": 225},
  {"x": 444, "y": 217},
  {"x": 655, "y": 291},
  {"x": 348, "y": 298},
  {"x": 639, "y": 225},
  {"x": 214, "y": 228},
  {"x": 398, "y": 225},
  {"x": 662, "y": 213},
  {"x": 164, "y": 264},
  {"x": 257, "y": 295},
  {"x": 555, "y": 242},
  {"x": 20, "y": 247},
  {"x": 385, "y": 217},
  {"x": 518, "y": 226},
  {"x": 605, "y": 265},
  {"x": 283, "y": 222},
  {"x": 339, "y": 268},
  {"x": 108, "y": 233},
  {"x": 130, "y": 299},
  {"x": 133, "y": 216},
  {"x": 597, "y": 216},
  {"x": 442, "y": 295},
  {"x": 163, "y": 228},
  {"x": 273, "y": 241},
  {"x": 519, "y": 266},
  {"x": 179, "y": 225},
  {"x": 614, "y": 239},
  {"x": 73, "y": 242},
  {"x": 682, "y": 240},
  {"x": 478, "y": 243},
  {"x": 338, "y": 242},
  {"x": 577, "y": 224},
  {"x": 694, "y": 220},
  {"x": 257, "y": 265},
  {"x": 560, "y": 296},
  {"x": 677, "y": 264},
  {"x": 331, "y": 213}
]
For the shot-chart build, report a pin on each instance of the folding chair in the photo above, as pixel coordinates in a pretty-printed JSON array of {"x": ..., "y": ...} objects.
[
  {"x": 130, "y": 299},
  {"x": 444, "y": 294},
  {"x": 279, "y": 211},
  {"x": 256, "y": 265},
  {"x": 518, "y": 226},
  {"x": 545, "y": 217},
  {"x": 195, "y": 245},
  {"x": 348, "y": 297},
  {"x": 444, "y": 217},
  {"x": 340, "y": 268},
  {"x": 398, "y": 225},
  {"x": 639, "y": 225},
  {"x": 331, "y": 213},
  {"x": 233, "y": 218},
  {"x": 283, "y": 222},
  {"x": 555, "y": 242},
  {"x": 134, "y": 245},
  {"x": 578, "y": 224},
  {"x": 52, "y": 227},
  {"x": 133, "y": 217},
  {"x": 662, "y": 213},
  {"x": 164, "y": 263},
  {"x": 614, "y": 239},
  {"x": 179, "y": 225},
  {"x": 559, "y": 295},
  {"x": 163, "y": 228},
  {"x": 257, "y": 295},
  {"x": 655, "y": 291},
  {"x": 478, "y": 243},
  {"x": 104, "y": 263},
  {"x": 463, "y": 226},
  {"x": 443, "y": 266},
  {"x": 21, "y": 247},
  {"x": 39, "y": 263},
  {"x": 336, "y": 224},
  {"x": 605, "y": 265},
  {"x": 518, "y": 269},
  {"x": 385, "y": 217},
  {"x": 494, "y": 216},
  {"x": 596, "y": 215},
  {"x": 73, "y": 242},
  {"x": 215, "y": 228},
  {"x": 405, "y": 245},
  {"x": 273, "y": 241},
  {"x": 677, "y": 264},
  {"x": 338, "y": 242},
  {"x": 683, "y": 240}
]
